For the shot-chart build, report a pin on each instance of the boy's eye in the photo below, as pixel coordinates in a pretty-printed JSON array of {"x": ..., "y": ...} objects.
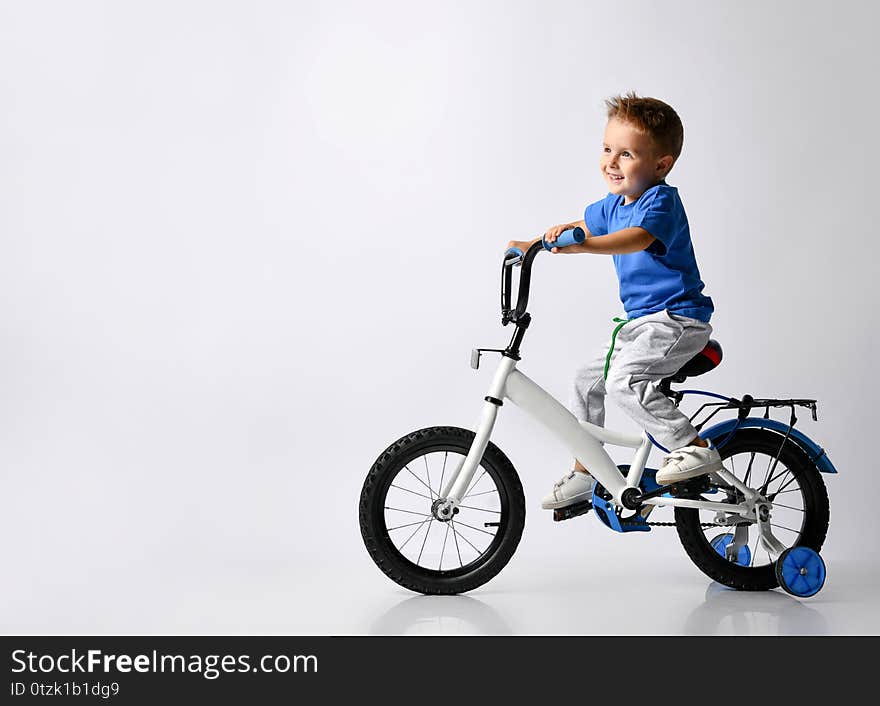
[
  {"x": 625, "y": 154},
  {"x": 606, "y": 149}
]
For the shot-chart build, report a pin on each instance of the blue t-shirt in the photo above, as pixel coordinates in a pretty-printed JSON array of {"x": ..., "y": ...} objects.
[{"x": 665, "y": 274}]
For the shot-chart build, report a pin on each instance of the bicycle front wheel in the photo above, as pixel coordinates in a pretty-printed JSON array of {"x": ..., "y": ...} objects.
[{"x": 417, "y": 550}]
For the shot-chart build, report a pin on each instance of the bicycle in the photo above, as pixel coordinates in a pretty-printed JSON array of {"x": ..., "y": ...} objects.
[{"x": 399, "y": 504}]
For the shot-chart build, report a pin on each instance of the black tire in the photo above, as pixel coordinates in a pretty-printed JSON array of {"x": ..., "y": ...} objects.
[
  {"x": 485, "y": 564},
  {"x": 813, "y": 511}
]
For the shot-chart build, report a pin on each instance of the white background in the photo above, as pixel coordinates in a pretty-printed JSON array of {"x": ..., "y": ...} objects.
[{"x": 245, "y": 246}]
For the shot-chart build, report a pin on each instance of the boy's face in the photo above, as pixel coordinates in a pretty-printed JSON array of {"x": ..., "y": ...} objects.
[{"x": 629, "y": 161}]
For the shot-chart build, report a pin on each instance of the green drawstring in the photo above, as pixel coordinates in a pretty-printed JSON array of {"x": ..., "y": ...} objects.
[{"x": 613, "y": 339}]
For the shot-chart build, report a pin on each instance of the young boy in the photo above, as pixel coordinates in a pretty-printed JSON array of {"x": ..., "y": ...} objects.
[{"x": 642, "y": 224}]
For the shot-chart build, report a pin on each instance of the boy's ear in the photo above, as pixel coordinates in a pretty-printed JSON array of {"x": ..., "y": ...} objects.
[{"x": 664, "y": 164}]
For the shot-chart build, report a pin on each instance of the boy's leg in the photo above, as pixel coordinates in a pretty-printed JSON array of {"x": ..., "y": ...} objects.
[
  {"x": 588, "y": 395},
  {"x": 651, "y": 348},
  {"x": 587, "y": 403}
]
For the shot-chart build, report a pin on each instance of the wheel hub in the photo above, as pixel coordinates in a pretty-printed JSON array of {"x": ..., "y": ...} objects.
[{"x": 443, "y": 510}]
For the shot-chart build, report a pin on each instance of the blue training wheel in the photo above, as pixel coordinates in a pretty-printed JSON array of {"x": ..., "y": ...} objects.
[
  {"x": 800, "y": 571},
  {"x": 722, "y": 541}
]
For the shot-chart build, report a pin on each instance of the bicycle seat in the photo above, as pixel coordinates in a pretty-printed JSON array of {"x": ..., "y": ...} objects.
[{"x": 702, "y": 362}]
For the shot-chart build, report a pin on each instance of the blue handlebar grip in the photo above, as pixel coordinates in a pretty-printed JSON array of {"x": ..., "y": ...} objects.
[
  {"x": 566, "y": 238},
  {"x": 513, "y": 251}
]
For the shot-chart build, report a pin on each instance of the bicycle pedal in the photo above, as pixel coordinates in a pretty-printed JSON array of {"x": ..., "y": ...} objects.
[
  {"x": 566, "y": 513},
  {"x": 693, "y": 486}
]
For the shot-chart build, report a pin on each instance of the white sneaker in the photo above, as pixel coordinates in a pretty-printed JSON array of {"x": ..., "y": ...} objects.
[
  {"x": 574, "y": 487},
  {"x": 688, "y": 462}
]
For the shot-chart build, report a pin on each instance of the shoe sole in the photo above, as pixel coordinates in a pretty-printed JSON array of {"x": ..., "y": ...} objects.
[
  {"x": 692, "y": 473},
  {"x": 559, "y": 504}
]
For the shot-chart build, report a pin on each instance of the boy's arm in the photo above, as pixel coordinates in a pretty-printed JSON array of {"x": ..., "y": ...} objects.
[
  {"x": 550, "y": 236},
  {"x": 620, "y": 242}
]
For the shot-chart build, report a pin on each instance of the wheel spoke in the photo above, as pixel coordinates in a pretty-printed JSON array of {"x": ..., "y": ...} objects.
[
  {"x": 452, "y": 522},
  {"x": 425, "y": 459},
  {"x": 408, "y": 524},
  {"x": 440, "y": 565},
  {"x": 485, "y": 492},
  {"x": 787, "y": 483},
  {"x": 771, "y": 469},
  {"x": 749, "y": 470},
  {"x": 763, "y": 488},
  {"x": 766, "y": 485},
  {"x": 406, "y": 490},
  {"x": 475, "y": 483},
  {"x": 464, "y": 524},
  {"x": 793, "y": 490},
  {"x": 420, "y": 481},
  {"x": 788, "y": 507},
  {"x": 481, "y": 509},
  {"x": 787, "y": 529},
  {"x": 457, "y": 549},
  {"x": 423, "y": 543},
  {"x": 420, "y": 514},
  {"x": 443, "y": 472},
  {"x": 400, "y": 548}
]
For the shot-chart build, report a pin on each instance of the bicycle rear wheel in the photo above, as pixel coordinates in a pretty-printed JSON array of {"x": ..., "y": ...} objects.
[
  {"x": 410, "y": 544},
  {"x": 800, "y": 512}
]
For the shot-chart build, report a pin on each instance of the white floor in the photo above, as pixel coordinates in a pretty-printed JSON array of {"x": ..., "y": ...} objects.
[
  {"x": 641, "y": 593},
  {"x": 237, "y": 559},
  {"x": 665, "y": 605}
]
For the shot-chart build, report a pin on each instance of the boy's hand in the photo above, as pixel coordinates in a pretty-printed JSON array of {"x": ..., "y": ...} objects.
[
  {"x": 553, "y": 233},
  {"x": 522, "y": 244}
]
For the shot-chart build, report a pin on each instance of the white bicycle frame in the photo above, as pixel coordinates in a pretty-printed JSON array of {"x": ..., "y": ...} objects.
[{"x": 583, "y": 441}]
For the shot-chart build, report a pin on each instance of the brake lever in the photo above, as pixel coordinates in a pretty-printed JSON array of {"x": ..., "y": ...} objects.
[{"x": 513, "y": 257}]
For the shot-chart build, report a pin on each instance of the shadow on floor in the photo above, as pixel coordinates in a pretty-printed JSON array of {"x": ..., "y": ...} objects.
[
  {"x": 448, "y": 615},
  {"x": 729, "y": 612}
]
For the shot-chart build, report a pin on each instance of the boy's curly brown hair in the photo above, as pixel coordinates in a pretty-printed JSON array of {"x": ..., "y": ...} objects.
[{"x": 651, "y": 116}]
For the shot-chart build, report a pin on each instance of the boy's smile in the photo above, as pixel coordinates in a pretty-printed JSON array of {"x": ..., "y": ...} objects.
[{"x": 629, "y": 161}]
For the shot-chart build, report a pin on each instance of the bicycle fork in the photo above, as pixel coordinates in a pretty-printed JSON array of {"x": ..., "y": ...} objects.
[
  {"x": 460, "y": 479},
  {"x": 523, "y": 392}
]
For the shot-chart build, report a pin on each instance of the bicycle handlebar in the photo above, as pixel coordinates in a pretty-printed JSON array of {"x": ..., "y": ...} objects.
[
  {"x": 572, "y": 236},
  {"x": 514, "y": 257}
]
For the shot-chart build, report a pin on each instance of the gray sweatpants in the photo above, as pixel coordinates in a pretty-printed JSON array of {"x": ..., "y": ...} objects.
[{"x": 647, "y": 349}]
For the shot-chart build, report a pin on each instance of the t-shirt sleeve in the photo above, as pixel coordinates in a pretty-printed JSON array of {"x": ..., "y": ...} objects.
[
  {"x": 596, "y": 217},
  {"x": 659, "y": 215}
]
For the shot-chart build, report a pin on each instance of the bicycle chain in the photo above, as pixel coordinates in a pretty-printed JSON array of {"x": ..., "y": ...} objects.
[{"x": 630, "y": 523}]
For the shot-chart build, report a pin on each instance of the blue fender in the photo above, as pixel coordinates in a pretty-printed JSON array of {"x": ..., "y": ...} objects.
[{"x": 814, "y": 452}]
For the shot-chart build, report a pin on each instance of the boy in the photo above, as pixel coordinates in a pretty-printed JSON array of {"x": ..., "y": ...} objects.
[{"x": 642, "y": 223}]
